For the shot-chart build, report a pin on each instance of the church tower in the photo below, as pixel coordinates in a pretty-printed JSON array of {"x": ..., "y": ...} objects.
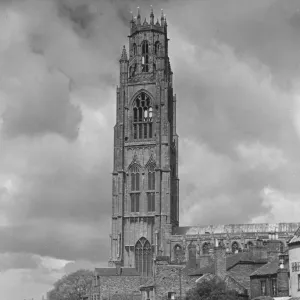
[{"x": 145, "y": 200}]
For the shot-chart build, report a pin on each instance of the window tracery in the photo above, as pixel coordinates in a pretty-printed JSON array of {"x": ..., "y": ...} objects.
[
  {"x": 142, "y": 117},
  {"x": 143, "y": 257},
  {"x": 151, "y": 187},
  {"x": 178, "y": 254},
  {"x": 135, "y": 188}
]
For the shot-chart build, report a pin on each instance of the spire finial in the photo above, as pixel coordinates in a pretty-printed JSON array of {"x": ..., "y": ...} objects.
[
  {"x": 162, "y": 17},
  {"x": 151, "y": 16},
  {"x": 138, "y": 16}
]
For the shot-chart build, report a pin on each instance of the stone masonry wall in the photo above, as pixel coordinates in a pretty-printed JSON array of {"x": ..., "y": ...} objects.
[
  {"x": 111, "y": 286},
  {"x": 168, "y": 280}
]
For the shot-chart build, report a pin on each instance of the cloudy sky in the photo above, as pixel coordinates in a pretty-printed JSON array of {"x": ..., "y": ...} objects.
[{"x": 236, "y": 70}]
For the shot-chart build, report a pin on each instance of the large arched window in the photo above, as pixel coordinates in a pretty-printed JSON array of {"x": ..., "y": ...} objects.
[
  {"x": 135, "y": 189},
  {"x": 142, "y": 117},
  {"x": 178, "y": 254},
  {"x": 192, "y": 251},
  {"x": 143, "y": 257},
  {"x": 249, "y": 244},
  {"x": 145, "y": 56},
  {"x": 151, "y": 187}
]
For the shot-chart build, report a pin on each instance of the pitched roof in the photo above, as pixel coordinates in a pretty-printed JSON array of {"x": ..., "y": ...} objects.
[
  {"x": 267, "y": 269},
  {"x": 113, "y": 272},
  {"x": 231, "y": 261},
  {"x": 210, "y": 269},
  {"x": 296, "y": 237},
  {"x": 149, "y": 283}
]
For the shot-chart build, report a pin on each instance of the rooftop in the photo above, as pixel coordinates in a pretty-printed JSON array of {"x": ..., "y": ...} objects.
[
  {"x": 296, "y": 237},
  {"x": 231, "y": 261},
  {"x": 237, "y": 228},
  {"x": 268, "y": 269}
]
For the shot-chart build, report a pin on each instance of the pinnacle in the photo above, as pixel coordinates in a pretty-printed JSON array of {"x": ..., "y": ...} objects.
[{"x": 124, "y": 54}]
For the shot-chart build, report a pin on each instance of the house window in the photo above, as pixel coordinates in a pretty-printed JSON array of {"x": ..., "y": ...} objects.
[
  {"x": 263, "y": 288},
  {"x": 142, "y": 117},
  {"x": 274, "y": 286},
  {"x": 135, "y": 188},
  {"x": 134, "y": 49},
  {"x": 171, "y": 295},
  {"x": 295, "y": 266},
  {"x": 298, "y": 282},
  {"x": 143, "y": 257}
]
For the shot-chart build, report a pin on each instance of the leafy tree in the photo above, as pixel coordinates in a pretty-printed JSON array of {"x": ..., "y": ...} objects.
[
  {"x": 72, "y": 286},
  {"x": 213, "y": 289}
]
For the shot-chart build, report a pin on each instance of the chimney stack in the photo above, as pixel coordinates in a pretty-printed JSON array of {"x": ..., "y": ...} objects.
[{"x": 220, "y": 260}]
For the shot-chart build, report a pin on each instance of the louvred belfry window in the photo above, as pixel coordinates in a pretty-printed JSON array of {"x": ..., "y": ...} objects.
[
  {"x": 143, "y": 257},
  {"x": 151, "y": 188},
  {"x": 135, "y": 189},
  {"x": 142, "y": 117},
  {"x": 145, "y": 56}
]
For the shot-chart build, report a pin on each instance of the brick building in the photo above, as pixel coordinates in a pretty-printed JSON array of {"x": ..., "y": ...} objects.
[
  {"x": 294, "y": 264},
  {"x": 145, "y": 187}
]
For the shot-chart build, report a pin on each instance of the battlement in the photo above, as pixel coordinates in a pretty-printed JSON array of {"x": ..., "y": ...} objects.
[
  {"x": 136, "y": 25},
  {"x": 238, "y": 228}
]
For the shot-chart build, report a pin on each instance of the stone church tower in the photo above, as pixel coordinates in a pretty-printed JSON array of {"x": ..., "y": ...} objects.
[{"x": 145, "y": 200}]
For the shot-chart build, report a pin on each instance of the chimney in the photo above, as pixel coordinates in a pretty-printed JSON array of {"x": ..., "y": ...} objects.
[
  {"x": 258, "y": 251},
  {"x": 220, "y": 261},
  {"x": 282, "y": 282}
]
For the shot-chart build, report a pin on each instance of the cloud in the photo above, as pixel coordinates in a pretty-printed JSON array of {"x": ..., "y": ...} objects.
[{"x": 236, "y": 78}]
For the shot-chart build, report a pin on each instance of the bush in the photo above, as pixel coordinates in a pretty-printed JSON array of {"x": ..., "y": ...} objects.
[{"x": 213, "y": 289}]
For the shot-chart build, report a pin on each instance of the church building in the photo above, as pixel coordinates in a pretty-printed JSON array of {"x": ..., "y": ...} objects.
[{"x": 146, "y": 241}]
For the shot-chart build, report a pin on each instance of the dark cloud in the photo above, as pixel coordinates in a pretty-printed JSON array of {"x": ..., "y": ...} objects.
[{"x": 48, "y": 111}]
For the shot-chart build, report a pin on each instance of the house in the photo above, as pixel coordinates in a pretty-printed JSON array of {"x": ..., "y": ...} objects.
[{"x": 294, "y": 264}]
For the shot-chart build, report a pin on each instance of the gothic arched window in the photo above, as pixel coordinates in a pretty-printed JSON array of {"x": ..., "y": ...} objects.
[
  {"x": 178, "y": 254},
  {"x": 192, "y": 251},
  {"x": 135, "y": 188},
  {"x": 205, "y": 248},
  {"x": 145, "y": 56},
  {"x": 151, "y": 187},
  {"x": 142, "y": 117},
  {"x": 250, "y": 244},
  {"x": 143, "y": 257},
  {"x": 156, "y": 48},
  {"x": 234, "y": 247}
]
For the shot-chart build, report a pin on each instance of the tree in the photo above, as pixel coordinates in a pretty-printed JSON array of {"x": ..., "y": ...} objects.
[
  {"x": 213, "y": 289},
  {"x": 72, "y": 286}
]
